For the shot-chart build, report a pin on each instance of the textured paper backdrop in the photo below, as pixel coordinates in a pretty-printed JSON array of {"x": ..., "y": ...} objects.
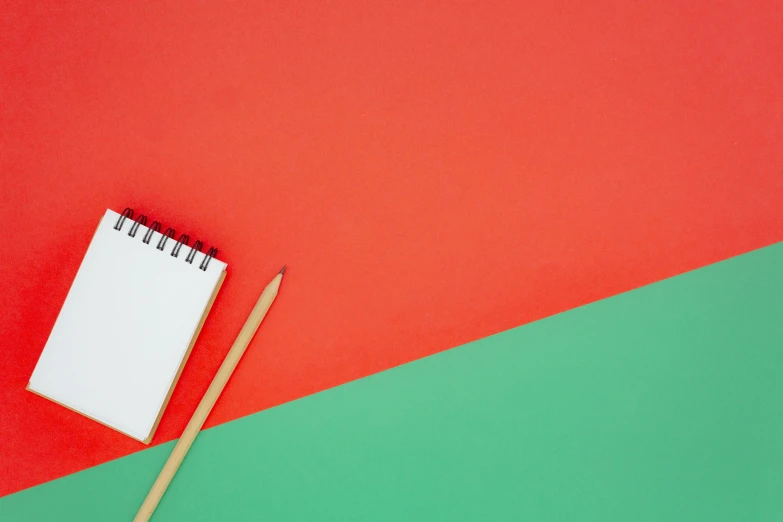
[{"x": 431, "y": 172}]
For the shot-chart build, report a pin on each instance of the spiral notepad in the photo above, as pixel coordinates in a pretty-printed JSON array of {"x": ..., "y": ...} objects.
[{"x": 128, "y": 324}]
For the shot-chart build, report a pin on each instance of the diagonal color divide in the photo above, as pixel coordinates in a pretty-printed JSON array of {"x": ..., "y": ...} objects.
[{"x": 658, "y": 404}]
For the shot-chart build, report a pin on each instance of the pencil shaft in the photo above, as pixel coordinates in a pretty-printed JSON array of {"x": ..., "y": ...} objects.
[{"x": 209, "y": 399}]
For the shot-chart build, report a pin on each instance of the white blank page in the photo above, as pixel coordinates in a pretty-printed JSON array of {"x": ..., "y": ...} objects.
[{"x": 125, "y": 328}]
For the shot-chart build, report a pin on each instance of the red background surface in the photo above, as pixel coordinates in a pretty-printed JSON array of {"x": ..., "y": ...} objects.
[{"x": 431, "y": 172}]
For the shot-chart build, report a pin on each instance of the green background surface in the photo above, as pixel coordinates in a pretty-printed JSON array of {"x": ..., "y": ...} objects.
[{"x": 660, "y": 404}]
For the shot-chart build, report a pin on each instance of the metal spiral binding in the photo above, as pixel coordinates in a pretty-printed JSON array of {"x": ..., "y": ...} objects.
[
  {"x": 192, "y": 254},
  {"x": 154, "y": 227},
  {"x": 141, "y": 220},
  {"x": 127, "y": 213},
  {"x": 212, "y": 252},
  {"x": 184, "y": 239},
  {"x": 169, "y": 233}
]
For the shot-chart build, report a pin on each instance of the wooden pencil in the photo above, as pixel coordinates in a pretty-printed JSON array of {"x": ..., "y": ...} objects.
[{"x": 209, "y": 399}]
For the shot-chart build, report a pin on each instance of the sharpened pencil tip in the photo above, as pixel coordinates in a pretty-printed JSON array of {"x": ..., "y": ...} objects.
[{"x": 282, "y": 270}]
